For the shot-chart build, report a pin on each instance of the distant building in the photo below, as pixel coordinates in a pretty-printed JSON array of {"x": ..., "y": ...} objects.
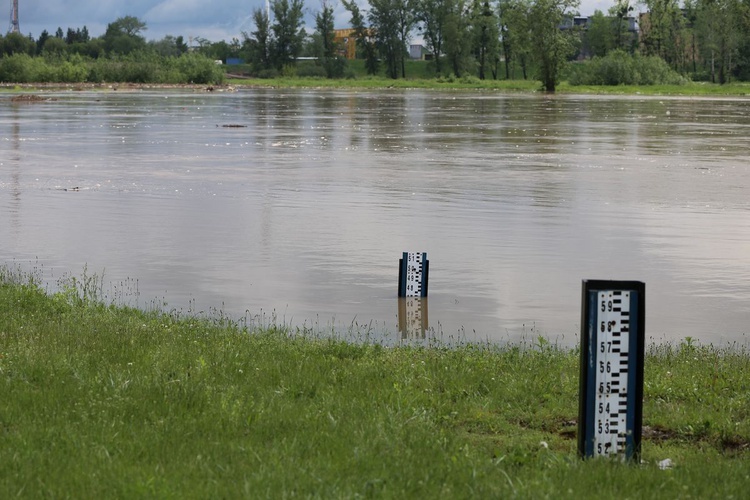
[
  {"x": 347, "y": 40},
  {"x": 419, "y": 52},
  {"x": 583, "y": 23},
  {"x": 580, "y": 24}
]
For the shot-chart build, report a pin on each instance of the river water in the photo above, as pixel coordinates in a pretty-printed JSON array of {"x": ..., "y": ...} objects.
[{"x": 295, "y": 206}]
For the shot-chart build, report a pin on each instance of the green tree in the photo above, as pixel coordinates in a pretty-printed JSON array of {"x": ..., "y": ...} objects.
[
  {"x": 235, "y": 46},
  {"x": 71, "y": 37},
  {"x": 600, "y": 36},
  {"x": 326, "y": 49},
  {"x": 180, "y": 45},
  {"x": 619, "y": 67},
  {"x": 407, "y": 19},
  {"x": 217, "y": 51},
  {"x": 719, "y": 31},
  {"x": 433, "y": 16},
  {"x": 384, "y": 22},
  {"x": 43, "y": 37},
  {"x": 458, "y": 40},
  {"x": 202, "y": 43},
  {"x": 514, "y": 34},
  {"x": 288, "y": 34},
  {"x": 742, "y": 69},
  {"x": 77, "y": 36},
  {"x": 94, "y": 48},
  {"x": 690, "y": 11},
  {"x": 169, "y": 46},
  {"x": 662, "y": 31},
  {"x": 551, "y": 46},
  {"x": 123, "y": 36},
  {"x": 54, "y": 46},
  {"x": 621, "y": 10},
  {"x": 257, "y": 45},
  {"x": 393, "y": 22},
  {"x": 197, "y": 68},
  {"x": 16, "y": 43},
  {"x": 365, "y": 41},
  {"x": 130, "y": 25},
  {"x": 18, "y": 67},
  {"x": 485, "y": 37}
]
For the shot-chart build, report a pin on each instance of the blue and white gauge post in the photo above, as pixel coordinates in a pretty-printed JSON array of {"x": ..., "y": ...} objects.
[
  {"x": 413, "y": 272},
  {"x": 611, "y": 385}
]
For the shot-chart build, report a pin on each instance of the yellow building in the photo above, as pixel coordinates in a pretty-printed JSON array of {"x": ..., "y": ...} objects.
[{"x": 347, "y": 40}]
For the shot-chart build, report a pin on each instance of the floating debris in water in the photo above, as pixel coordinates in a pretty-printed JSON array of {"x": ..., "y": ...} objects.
[{"x": 31, "y": 98}]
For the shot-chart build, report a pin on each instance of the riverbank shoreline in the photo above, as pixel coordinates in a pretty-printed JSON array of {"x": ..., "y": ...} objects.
[
  {"x": 695, "y": 89},
  {"x": 120, "y": 87},
  {"x": 112, "y": 401}
]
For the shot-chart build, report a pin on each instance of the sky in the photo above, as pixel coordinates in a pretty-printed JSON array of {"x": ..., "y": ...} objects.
[{"x": 213, "y": 20}]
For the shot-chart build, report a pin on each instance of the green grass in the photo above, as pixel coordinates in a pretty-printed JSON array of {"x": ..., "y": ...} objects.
[
  {"x": 110, "y": 402},
  {"x": 696, "y": 89},
  {"x": 387, "y": 83}
]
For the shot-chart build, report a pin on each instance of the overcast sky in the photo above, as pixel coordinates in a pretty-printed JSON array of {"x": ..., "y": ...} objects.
[{"x": 210, "y": 19}]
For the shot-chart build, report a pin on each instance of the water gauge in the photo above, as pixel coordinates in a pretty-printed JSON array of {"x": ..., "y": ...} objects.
[
  {"x": 611, "y": 384},
  {"x": 412, "y": 275}
]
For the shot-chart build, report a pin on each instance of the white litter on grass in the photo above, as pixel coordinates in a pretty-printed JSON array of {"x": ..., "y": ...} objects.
[{"x": 666, "y": 464}]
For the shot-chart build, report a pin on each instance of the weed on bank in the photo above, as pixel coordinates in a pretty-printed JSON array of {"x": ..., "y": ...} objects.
[{"x": 114, "y": 402}]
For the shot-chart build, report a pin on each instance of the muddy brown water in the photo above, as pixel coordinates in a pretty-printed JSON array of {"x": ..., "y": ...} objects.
[{"x": 295, "y": 205}]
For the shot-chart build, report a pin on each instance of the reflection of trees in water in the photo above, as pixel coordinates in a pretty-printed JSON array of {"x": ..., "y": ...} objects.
[
  {"x": 652, "y": 125},
  {"x": 337, "y": 121},
  {"x": 260, "y": 114},
  {"x": 390, "y": 123},
  {"x": 15, "y": 174},
  {"x": 610, "y": 125},
  {"x": 266, "y": 224},
  {"x": 496, "y": 124},
  {"x": 354, "y": 123},
  {"x": 514, "y": 145},
  {"x": 257, "y": 111},
  {"x": 684, "y": 127},
  {"x": 525, "y": 149}
]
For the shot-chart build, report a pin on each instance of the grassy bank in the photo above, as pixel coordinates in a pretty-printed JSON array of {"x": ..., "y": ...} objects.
[
  {"x": 421, "y": 75},
  {"x": 111, "y": 402},
  {"x": 695, "y": 89}
]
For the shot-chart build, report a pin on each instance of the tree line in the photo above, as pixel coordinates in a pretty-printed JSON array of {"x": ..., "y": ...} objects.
[
  {"x": 698, "y": 39},
  {"x": 121, "y": 54},
  {"x": 478, "y": 38}
]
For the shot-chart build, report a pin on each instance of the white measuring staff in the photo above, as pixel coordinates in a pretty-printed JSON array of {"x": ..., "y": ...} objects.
[
  {"x": 414, "y": 274},
  {"x": 611, "y": 379}
]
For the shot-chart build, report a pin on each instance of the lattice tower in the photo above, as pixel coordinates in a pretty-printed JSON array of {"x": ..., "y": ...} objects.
[{"x": 14, "y": 27}]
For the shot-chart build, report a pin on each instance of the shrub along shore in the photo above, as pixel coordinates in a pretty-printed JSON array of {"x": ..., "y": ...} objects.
[
  {"x": 108, "y": 401},
  {"x": 691, "y": 89}
]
